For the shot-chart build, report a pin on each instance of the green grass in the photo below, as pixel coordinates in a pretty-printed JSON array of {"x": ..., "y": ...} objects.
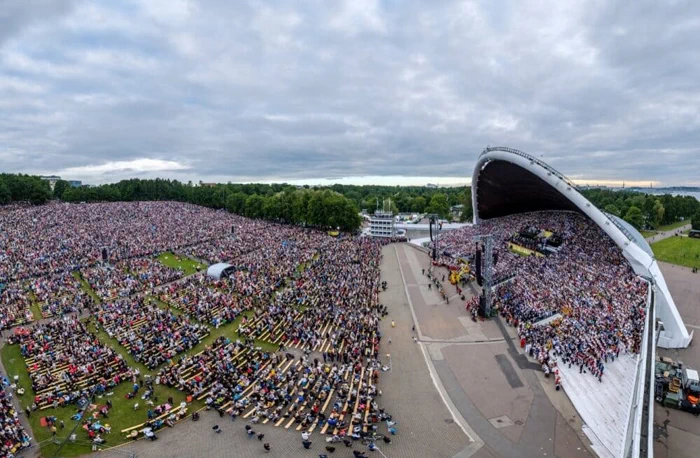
[
  {"x": 683, "y": 251},
  {"x": 86, "y": 287},
  {"x": 36, "y": 310},
  {"x": 122, "y": 414},
  {"x": 646, "y": 234},
  {"x": 187, "y": 265},
  {"x": 672, "y": 226}
]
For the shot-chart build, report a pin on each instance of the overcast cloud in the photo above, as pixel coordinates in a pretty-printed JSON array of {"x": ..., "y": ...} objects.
[{"x": 222, "y": 90}]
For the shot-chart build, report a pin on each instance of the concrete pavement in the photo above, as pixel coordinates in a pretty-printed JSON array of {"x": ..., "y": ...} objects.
[
  {"x": 677, "y": 433},
  {"x": 502, "y": 398}
]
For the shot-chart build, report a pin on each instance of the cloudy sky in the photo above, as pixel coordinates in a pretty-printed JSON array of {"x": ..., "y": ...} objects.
[{"x": 303, "y": 91}]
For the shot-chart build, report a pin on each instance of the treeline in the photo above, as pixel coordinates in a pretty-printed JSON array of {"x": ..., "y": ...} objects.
[
  {"x": 23, "y": 188},
  {"x": 402, "y": 199},
  {"x": 644, "y": 211},
  {"x": 321, "y": 208},
  {"x": 333, "y": 206},
  {"x": 410, "y": 199}
]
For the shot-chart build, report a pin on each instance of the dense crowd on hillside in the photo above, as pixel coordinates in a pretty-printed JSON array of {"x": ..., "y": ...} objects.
[
  {"x": 153, "y": 335},
  {"x": 13, "y": 437},
  {"x": 262, "y": 271},
  {"x": 205, "y": 300},
  {"x": 247, "y": 236},
  {"x": 60, "y": 237},
  {"x": 290, "y": 287},
  {"x": 587, "y": 281},
  {"x": 66, "y": 361},
  {"x": 331, "y": 306},
  {"x": 128, "y": 277},
  {"x": 14, "y": 305}
]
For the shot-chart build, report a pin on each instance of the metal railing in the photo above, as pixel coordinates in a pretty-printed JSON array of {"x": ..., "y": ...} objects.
[
  {"x": 531, "y": 158},
  {"x": 635, "y": 445},
  {"x": 556, "y": 173},
  {"x": 622, "y": 228}
]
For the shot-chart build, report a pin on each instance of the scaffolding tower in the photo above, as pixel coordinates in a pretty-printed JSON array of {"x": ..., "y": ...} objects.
[{"x": 487, "y": 271}]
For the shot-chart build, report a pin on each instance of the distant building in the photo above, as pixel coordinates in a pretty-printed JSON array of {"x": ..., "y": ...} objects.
[
  {"x": 381, "y": 224},
  {"x": 52, "y": 179},
  {"x": 431, "y": 185},
  {"x": 75, "y": 183},
  {"x": 207, "y": 185}
]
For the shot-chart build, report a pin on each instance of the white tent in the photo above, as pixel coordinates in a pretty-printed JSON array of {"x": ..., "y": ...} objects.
[{"x": 216, "y": 271}]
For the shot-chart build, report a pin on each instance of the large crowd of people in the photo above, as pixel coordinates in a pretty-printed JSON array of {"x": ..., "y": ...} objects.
[
  {"x": 152, "y": 334},
  {"x": 59, "y": 294},
  {"x": 13, "y": 437},
  {"x": 330, "y": 307},
  {"x": 60, "y": 237},
  {"x": 65, "y": 361},
  {"x": 128, "y": 277},
  {"x": 301, "y": 290},
  {"x": 15, "y": 305},
  {"x": 263, "y": 271},
  {"x": 599, "y": 300},
  {"x": 205, "y": 300}
]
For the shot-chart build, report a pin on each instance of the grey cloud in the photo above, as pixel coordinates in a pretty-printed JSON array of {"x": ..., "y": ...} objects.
[
  {"x": 289, "y": 90},
  {"x": 16, "y": 15}
]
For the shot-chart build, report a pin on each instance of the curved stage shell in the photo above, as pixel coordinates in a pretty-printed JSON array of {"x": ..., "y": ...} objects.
[{"x": 507, "y": 181}]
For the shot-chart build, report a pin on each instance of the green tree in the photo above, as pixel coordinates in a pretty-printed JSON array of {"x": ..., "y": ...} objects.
[
  {"x": 439, "y": 205},
  {"x": 5, "y": 194},
  {"x": 419, "y": 204},
  {"x": 235, "y": 202},
  {"x": 272, "y": 208},
  {"x": 59, "y": 188},
  {"x": 635, "y": 217},
  {"x": 254, "y": 206},
  {"x": 467, "y": 208},
  {"x": 612, "y": 209},
  {"x": 657, "y": 214},
  {"x": 695, "y": 220},
  {"x": 316, "y": 210}
]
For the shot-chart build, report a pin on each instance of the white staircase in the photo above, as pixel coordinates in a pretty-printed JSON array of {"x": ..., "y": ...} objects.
[{"x": 604, "y": 407}]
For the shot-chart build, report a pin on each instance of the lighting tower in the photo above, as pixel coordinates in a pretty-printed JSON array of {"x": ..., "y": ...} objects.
[
  {"x": 487, "y": 270},
  {"x": 435, "y": 238}
]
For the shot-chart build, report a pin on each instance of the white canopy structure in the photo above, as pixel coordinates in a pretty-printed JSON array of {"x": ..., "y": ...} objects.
[
  {"x": 507, "y": 181},
  {"x": 216, "y": 271},
  {"x": 618, "y": 413}
]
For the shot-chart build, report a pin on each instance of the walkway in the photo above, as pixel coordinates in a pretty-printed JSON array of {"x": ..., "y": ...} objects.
[
  {"x": 502, "y": 399},
  {"x": 667, "y": 234}
]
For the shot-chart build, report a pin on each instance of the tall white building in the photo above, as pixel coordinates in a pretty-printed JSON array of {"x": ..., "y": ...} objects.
[
  {"x": 52, "y": 179},
  {"x": 381, "y": 224}
]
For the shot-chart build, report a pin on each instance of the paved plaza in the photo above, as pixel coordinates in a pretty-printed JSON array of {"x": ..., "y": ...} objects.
[
  {"x": 510, "y": 409},
  {"x": 676, "y": 433}
]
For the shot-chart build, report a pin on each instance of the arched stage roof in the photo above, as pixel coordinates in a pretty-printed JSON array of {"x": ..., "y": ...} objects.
[{"x": 507, "y": 181}]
